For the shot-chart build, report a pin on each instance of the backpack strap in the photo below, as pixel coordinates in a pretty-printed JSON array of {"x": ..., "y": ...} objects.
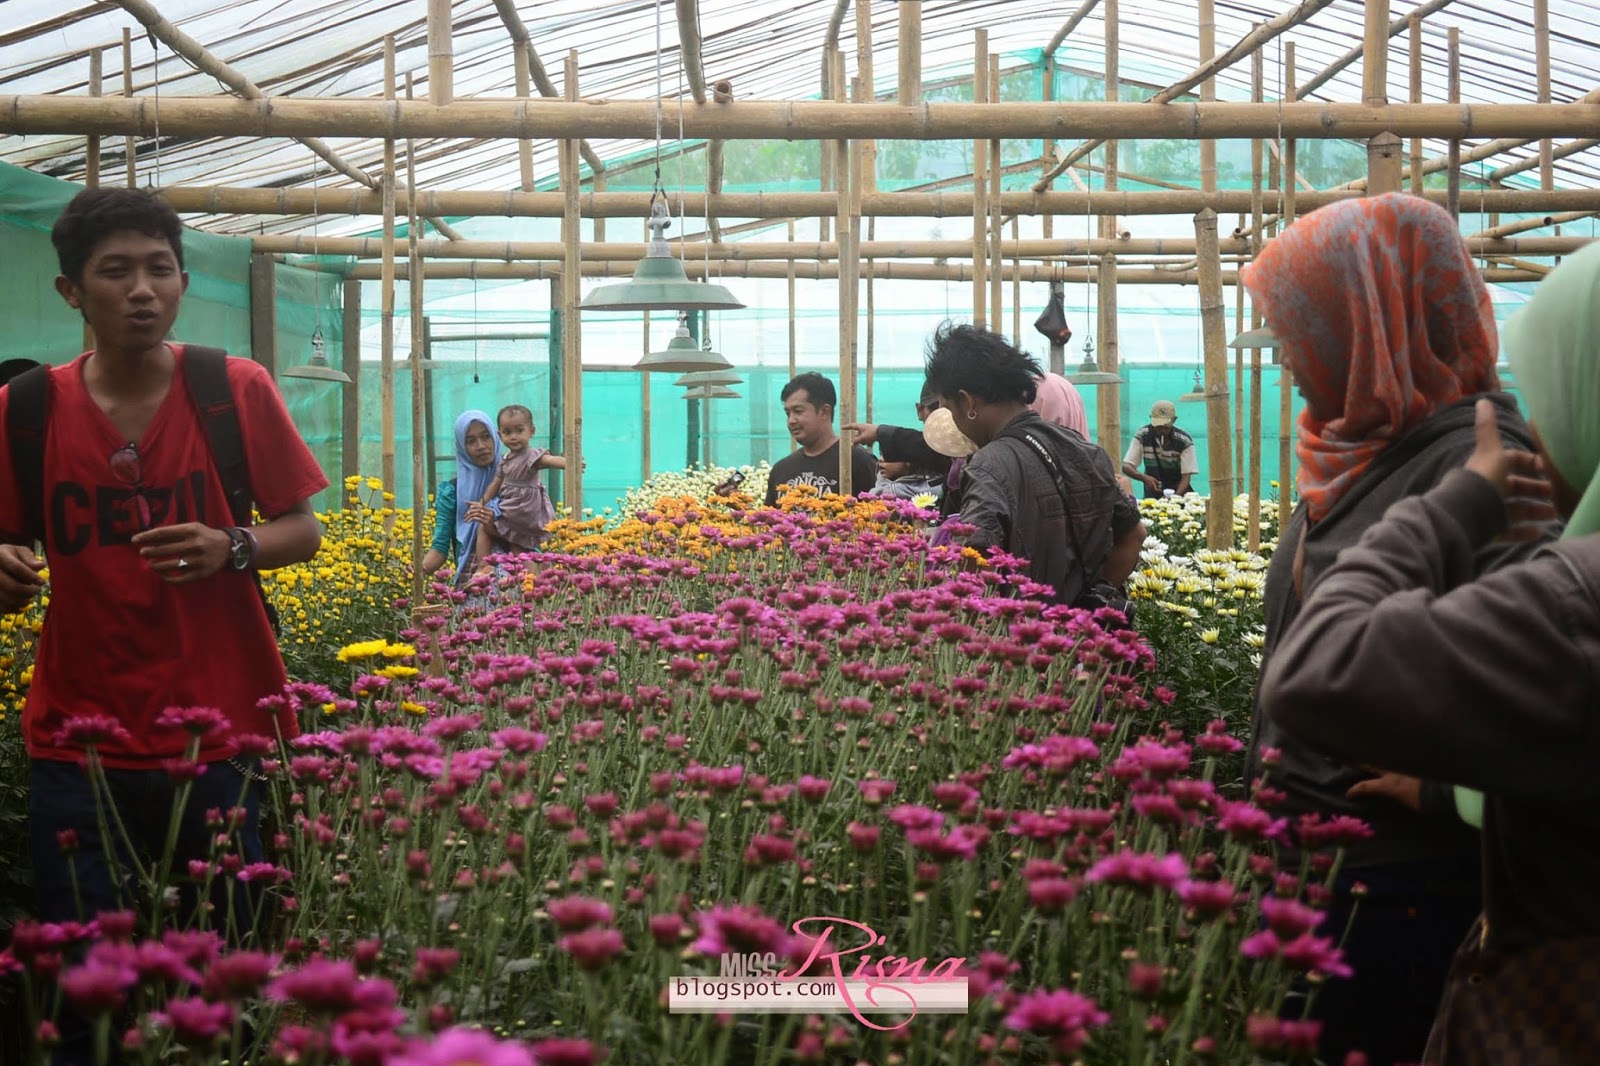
[
  {"x": 27, "y": 412},
  {"x": 206, "y": 372}
]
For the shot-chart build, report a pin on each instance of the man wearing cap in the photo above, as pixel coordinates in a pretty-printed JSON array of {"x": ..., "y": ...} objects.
[{"x": 1166, "y": 452}]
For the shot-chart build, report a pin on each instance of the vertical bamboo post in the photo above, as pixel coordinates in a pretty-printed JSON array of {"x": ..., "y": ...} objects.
[
  {"x": 1414, "y": 23},
  {"x": 519, "y": 55},
  {"x": 1453, "y": 158},
  {"x": 872, "y": 232},
  {"x": 1108, "y": 402},
  {"x": 421, "y": 446},
  {"x": 1541, "y": 53},
  {"x": 1253, "y": 519},
  {"x": 869, "y": 92},
  {"x": 350, "y": 396},
  {"x": 1219, "y": 443},
  {"x": 1047, "y": 91},
  {"x": 264, "y": 311},
  {"x": 1016, "y": 285},
  {"x": 793, "y": 338},
  {"x": 571, "y": 325},
  {"x": 996, "y": 263},
  {"x": 830, "y": 163},
  {"x": 847, "y": 225},
  {"x": 91, "y": 158},
  {"x": 1207, "y": 13},
  {"x": 441, "y": 61},
  {"x": 910, "y": 52},
  {"x": 130, "y": 147},
  {"x": 387, "y": 272},
  {"x": 1239, "y": 390},
  {"x": 644, "y": 403},
  {"x": 1285, "y": 376},
  {"x": 1384, "y": 150},
  {"x": 597, "y": 182},
  {"x": 980, "y": 185}
]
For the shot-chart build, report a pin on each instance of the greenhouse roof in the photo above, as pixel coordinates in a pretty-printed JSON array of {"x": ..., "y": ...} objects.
[{"x": 770, "y": 51}]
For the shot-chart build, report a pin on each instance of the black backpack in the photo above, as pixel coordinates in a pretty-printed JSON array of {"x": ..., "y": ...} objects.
[{"x": 205, "y": 370}]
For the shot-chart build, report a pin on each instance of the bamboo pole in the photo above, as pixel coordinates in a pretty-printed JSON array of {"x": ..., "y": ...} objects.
[
  {"x": 571, "y": 325},
  {"x": 799, "y": 120},
  {"x": 524, "y": 145},
  {"x": 1253, "y": 517},
  {"x": 869, "y": 92},
  {"x": 91, "y": 158},
  {"x": 1571, "y": 148},
  {"x": 1016, "y": 288},
  {"x": 1453, "y": 156},
  {"x": 943, "y": 204},
  {"x": 793, "y": 346},
  {"x": 1203, "y": 75},
  {"x": 1219, "y": 508},
  {"x": 957, "y": 273},
  {"x": 386, "y": 358},
  {"x": 849, "y": 155},
  {"x": 715, "y": 156},
  {"x": 829, "y": 164},
  {"x": 1375, "y": 53},
  {"x": 421, "y": 446},
  {"x": 995, "y": 265},
  {"x": 1490, "y": 242},
  {"x": 264, "y": 312},
  {"x": 1239, "y": 390},
  {"x": 1108, "y": 402},
  {"x": 1396, "y": 28},
  {"x": 1206, "y": 12},
  {"x": 1415, "y": 23},
  {"x": 644, "y": 387},
  {"x": 980, "y": 183},
  {"x": 350, "y": 395},
  {"x": 1065, "y": 31},
  {"x": 541, "y": 78},
  {"x": 872, "y": 225},
  {"x": 690, "y": 48},
  {"x": 910, "y": 56},
  {"x": 441, "y": 58},
  {"x": 130, "y": 146},
  {"x": 1285, "y": 376},
  {"x": 1541, "y": 52}
]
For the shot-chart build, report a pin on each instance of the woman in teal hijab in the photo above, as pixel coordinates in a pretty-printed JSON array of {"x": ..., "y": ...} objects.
[
  {"x": 455, "y": 527},
  {"x": 1401, "y": 659}
]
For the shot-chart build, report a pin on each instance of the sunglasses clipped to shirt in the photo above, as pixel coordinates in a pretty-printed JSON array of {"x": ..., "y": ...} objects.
[{"x": 127, "y": 468}]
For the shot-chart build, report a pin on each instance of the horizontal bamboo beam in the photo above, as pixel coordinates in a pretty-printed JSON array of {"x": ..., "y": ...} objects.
[
  {"x": 513, "y": 118},
  {"x": 956, "y": 272},
  {"x": 941, "y": 204},
  {"x": 757, "y": 251}
]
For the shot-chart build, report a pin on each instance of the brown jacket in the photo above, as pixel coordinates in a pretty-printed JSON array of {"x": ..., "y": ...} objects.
[{"x": 1399, "y": 659}]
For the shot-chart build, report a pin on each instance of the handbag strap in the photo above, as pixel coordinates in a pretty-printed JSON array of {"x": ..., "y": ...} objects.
[{"x": 1050, "y": 464}]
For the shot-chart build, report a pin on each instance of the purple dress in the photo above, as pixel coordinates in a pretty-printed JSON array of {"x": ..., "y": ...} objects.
[{"x": 525, "y": 508}]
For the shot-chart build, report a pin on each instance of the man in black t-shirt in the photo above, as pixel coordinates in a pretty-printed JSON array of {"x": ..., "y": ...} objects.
[{"x": 808, "y": 403}]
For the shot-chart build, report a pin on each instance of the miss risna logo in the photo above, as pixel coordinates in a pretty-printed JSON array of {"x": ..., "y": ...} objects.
[{"x": 842, "y": 973}]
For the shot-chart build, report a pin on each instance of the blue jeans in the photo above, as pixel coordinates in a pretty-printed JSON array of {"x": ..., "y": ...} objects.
[
  {"x": 1406, "y": 933},
  {"x": 98, "y": 875}
]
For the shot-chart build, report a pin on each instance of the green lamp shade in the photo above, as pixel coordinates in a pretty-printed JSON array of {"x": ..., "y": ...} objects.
[
  {"x": 317, "y": 369},
  {"x": 683, "y": 356},
  {"x": 1089, "y": 373},
  {"x": 659, "y": 284},
  {"x": 711, "y": 392},
  {"x": 1255, "y": 338},
  {"x": 708, "y": 377}
]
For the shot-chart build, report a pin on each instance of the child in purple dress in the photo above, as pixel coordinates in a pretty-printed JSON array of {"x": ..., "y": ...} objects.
[{"x": 525, "y": 508}]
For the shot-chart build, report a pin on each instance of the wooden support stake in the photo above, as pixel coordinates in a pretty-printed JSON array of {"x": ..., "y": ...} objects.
[
  {"x": 1285, "y": 378},
  {"x": 130, "y": 146},
  {"x": 571, "y": 325},
  {"x": 350, "y": 396},
  {"x": 910, "y": 53},
  {"x": 264, "y": 312},
  {"x": 1453, "y": 170},
  {"x": 1253, "y": 482},
  {"x": 386, "y": 356},
  {"x": 980, "y": 185},
  {"x": 1219, "y": 438},
  {"x": 421, "y": 445},
  {"x": 1415, "y": 24},
  {"x": 793, "y": 339}
]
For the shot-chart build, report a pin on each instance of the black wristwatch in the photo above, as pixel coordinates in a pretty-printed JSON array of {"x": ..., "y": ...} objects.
[{"x": 242, "y": 554}]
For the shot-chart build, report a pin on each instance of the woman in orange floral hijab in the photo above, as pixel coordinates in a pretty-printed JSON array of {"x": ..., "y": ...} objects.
[{"x": 1388, "y": 329}]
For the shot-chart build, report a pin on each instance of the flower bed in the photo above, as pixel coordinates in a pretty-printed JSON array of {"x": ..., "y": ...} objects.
[{"x": 698, "y": 727}]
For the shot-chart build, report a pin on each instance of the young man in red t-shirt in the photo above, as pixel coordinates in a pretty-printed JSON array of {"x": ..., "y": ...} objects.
[{"x": 152, "y": 604}]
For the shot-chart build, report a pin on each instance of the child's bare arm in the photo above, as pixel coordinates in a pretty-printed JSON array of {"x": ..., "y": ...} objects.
[
  {"x": 552, "y": 462},
  {"x": 493, "y": 490}
]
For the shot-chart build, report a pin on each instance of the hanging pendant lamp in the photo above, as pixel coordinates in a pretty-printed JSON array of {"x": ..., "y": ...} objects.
[
  {"x": 711, "y": 392},
  {"x": 709, "y": 377},
  {"x": 659, "y": 283},
  {"x": 1196, "y": 394},
  {"x": 682, "y": 355},
  {"x": 1262, "y": 338},
  {"x": 1089, "y": 372},
  {"x": 317, "y": 369}
]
